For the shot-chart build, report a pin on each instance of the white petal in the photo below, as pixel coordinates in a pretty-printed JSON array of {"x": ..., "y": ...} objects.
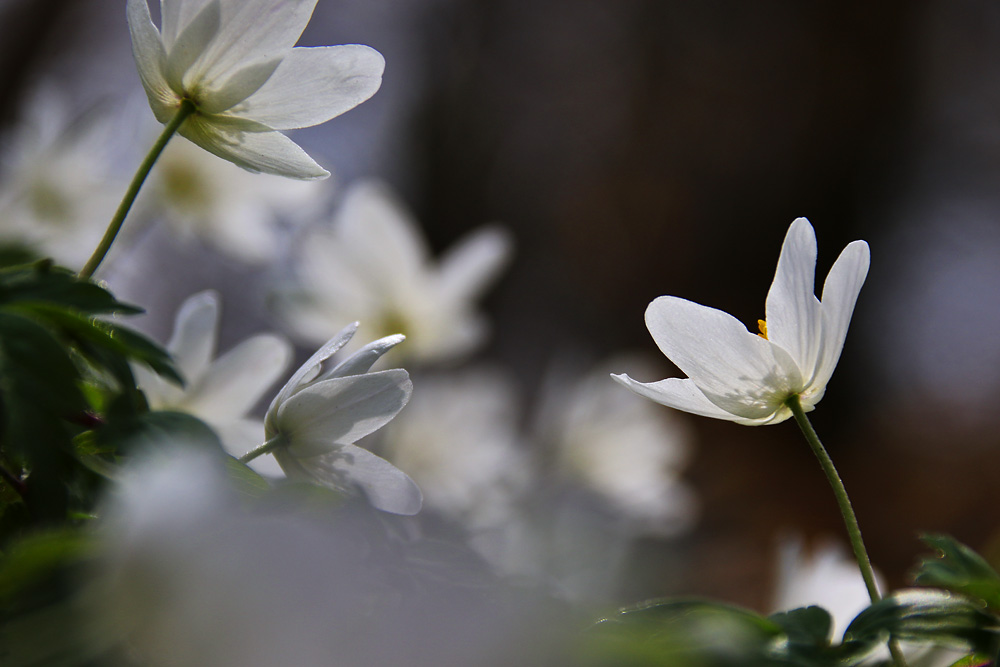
[
  {"x": 474, "y": 263},
  {"x": 313, "y": 363},
  {"x": 238, "y": 87},
  {"x": 329, "y": 413},
  {"x": 251, "y": 146},
  {"x": 150, "y": 59},
  {"x": 175, "y": 15},
  {"x": 189, "y": 46},
  {"x": 840, "y": 293},
  {"x": 793, "y": 314},
  {"x": 193, "y": 341},
  {"x": 237, "y": 380},
  {"x": 387, "y": 487},
  {"x": 740, "y": 372},
  {"x": 253, "y": 30},
  {"x": 362, "y": 360},
  {"x": 313, "y": 85},
  {"x": 680, "y": 394}
]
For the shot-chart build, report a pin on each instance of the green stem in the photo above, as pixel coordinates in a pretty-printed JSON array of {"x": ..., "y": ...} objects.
[
  {"x": 846, "y": 510},
  {"x": 266, "y": 448},
  {"x": 186, "y": 109}
]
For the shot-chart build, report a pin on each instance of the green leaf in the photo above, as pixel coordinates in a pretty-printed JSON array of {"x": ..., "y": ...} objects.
[
  {"x": 806, "y": 625},
  {"x": 43, "y": 283},
  {"x": 958, "y": 568},
  {"x": 155, "y": 430},
  {"x": 245, "y": 480},
  {"x": 928, "y": 616},
  {"x": 33, "y": 560}
]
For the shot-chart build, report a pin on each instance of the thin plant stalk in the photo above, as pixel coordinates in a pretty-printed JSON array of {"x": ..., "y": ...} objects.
[
  {"x": 846, "y": 511},
  {"x": 260, "y": 450},
  {"x": 186, "y": 109}
]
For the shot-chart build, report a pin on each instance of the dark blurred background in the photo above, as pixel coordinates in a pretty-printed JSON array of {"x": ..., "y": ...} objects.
[{"x": 647, "y": 147}]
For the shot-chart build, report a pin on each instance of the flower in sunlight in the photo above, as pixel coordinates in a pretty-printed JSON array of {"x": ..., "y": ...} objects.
[
  {"x": 314, "y": 421},
  {"x": 237, "y": 212},
  {"x": 744, "y": 377},
  {"x": 57, "y": 186},
  {"x": 220, "y": 392},
  {"x": 459, "y": 441},
  {"x": 234, "y": 61},
  {"x": 373, "y": 265},
  {"x": 620, "y": 447}
]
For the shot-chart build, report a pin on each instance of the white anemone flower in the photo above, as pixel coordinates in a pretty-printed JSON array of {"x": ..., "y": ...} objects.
[
  {"x": 740, "y": 376},
  {"x": 374, "y": 265},
  {"x": 219, "y": 391},
  {"x": 237, "y": 212},
  {"x": 234, "y": 61},
  {"x": 314, "y": 421}
]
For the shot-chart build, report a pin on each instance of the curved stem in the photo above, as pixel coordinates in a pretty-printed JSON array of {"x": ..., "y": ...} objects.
[
  {"x": 266, "y": 448},
  {"x": 186, "y": 109},
  {"x": 846, "y": 511}
]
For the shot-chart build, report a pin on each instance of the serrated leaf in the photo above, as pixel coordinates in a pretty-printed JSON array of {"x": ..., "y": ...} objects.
[{"x": 958, "y": 568}]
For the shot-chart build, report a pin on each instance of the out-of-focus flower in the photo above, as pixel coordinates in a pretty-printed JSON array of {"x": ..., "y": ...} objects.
[
  {"x": 314, "y": 421},
  {"x": 220, "y": 391},
  {"x": 744, "y": 377},
  {"x": 235, "y": 61},
  {"x": 621, "y": 447},
  {"x": 57, "y": 186},
  {"x": 458, "y": 439},
  {"x": 374, "y": 266},
  {"x": 235, "y": 211}
]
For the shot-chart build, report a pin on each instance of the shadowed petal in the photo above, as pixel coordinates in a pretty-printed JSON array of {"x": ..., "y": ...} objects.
[
  {"x": 150, "y": 59},
  {"x": 474, "y": 263},
  {"x": 313, "y": 85},
  {"x": 794, "y": 319},
  {"x": 190, "y": 47},
  {"x": 175, "y": 15},
  {"x": 678, "y": 393},
  {"x": 310, "y": 369},
  {"x": 329, "y": 413},
  {"x": 840, "y": 294},
  {"x": 193, "y": 340},
  {"x": 362, "y": 360},
  {"x": 238, "y": 379},
  {"x": 251, "y": 146},
  {"x": 740, "y": 372},
  {"x": 238, "y": 87}
]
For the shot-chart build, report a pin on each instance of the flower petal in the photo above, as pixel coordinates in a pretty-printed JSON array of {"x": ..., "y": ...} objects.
[
  {"x": 253, "y": 30},
  {"x": 251, "y": 146},
  {"x": 387, "y": 487},
  {"x": 175, "y": 15},
  {"x": 840, "y": 294},
  {"x": 150, "y": 59},
  {"x": 680, "y": 394},
  {"x": 362, "y": 360},
  {"x": 193, "y": 341},
  {"x": 312, "y": 365},
  {"x": 237, "y": 380},
  {"x": 190, "y": 46},
  {"x": 474, "y": 262},
  {"x": 313, "y": 85},
  {"x": 740, "y": 372},
  {"x": 324, "y": 415},
  {"x": 794, "y": 316},
  {"x": 241, "y": 85}
]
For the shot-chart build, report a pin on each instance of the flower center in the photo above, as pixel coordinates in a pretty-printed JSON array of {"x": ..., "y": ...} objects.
[{"x": 762, "y": 326}]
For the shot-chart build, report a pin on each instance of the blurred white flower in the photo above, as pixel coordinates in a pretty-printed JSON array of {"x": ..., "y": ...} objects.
[
  {"x": 219, "y": 391},
  {"x": 458, "y": 440},
  {"x": 373, "y": 265},
  {"x": 235, "y": 211},
  {"x": 620, "y": 447},
  {"x": 314, "y": 421},
  {"x": 235, "y": 61},
  {"x": 57, "y": 186},
  {"x": 745, "y": 377}
]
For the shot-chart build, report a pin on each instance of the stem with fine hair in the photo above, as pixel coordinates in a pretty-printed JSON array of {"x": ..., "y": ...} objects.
[
  {"x": 846, "y": 511},
  {"x": 260, "y": 450},
  {"x": 186, "y": 108}
]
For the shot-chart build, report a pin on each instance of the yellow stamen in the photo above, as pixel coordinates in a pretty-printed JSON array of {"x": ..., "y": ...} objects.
[{"x": 762, "y": 325}]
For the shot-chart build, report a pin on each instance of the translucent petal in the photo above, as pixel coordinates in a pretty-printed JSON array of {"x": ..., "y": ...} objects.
[
  {"x": 313, "y": 85},
  {"x": 241, "y": 85},
  {"x": 190, "y": 46},
  {"x": 680, "y": 394},
  {"x": 794, "y": 317},
  {"x": 323, "y": 415},
  {"x": 150, "y": 60},
  {"x": 193, "y": 341},
  {"x": 362, "y": 360},
  {"x": 387, "y": 487},
  {"x": 175, "y": 15},
  {"x": 312, "y": 364},
  {"x": 840, "y": 294},
  {"x": 251, "y": 146},
  {"x": 253, "y": 30},
  {"x": 238, "y": 379},
  {"x": 740, "y": 372}
]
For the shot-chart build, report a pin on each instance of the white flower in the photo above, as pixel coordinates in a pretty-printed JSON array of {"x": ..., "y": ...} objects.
[
  {"x": 622, "y": 448},
  {"x": 225, "y": 206},
  {"x": 744, "y": 377},
  {"x": 317, "y": 416},
  {"x": 459, "y": 441},
  {"x": 374, "y": 266},
  {"x": 235, "y": 61},
  {"x": 57, "y": 188},
  {"x": 220, "y": 391}
]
